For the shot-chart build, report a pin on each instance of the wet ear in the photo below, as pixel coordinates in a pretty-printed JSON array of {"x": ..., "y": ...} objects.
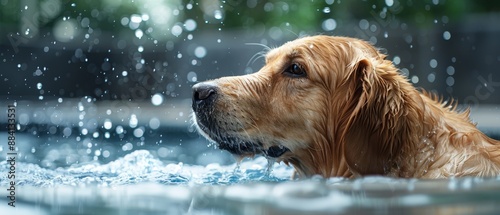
[{"x": 366, "y": 134}]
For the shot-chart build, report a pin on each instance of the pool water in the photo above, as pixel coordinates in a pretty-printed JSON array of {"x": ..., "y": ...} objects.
[
  {"x": 120, "y": 163},
  {"x": 139, "y": 183}
]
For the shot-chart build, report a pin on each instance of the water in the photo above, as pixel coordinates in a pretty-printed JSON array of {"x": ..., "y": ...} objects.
[
  {"x": 139, "y": 183},
  {"x": 139, "y": 167}
]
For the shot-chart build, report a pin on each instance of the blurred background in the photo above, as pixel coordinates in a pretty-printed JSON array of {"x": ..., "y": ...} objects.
[{"x": 94, "y": 80}]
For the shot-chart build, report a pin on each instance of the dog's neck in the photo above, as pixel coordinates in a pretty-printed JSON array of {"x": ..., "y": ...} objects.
[{"x": 446, "y": 147}]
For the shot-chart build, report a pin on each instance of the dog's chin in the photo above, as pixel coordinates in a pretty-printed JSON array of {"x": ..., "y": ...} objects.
[{"x": 236, "y": 145}]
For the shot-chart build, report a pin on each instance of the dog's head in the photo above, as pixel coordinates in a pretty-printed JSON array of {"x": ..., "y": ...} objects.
[{"x": 302, "y": 106}]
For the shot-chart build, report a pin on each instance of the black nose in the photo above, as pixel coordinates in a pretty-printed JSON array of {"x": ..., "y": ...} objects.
[{"x": 203, "y": 91}]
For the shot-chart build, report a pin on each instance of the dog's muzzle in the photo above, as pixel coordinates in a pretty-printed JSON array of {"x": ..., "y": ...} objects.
[{"x": 205, "y": 96}]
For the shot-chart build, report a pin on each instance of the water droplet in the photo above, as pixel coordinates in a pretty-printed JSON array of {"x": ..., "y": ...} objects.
[
  {"x": 326, "y": 10},
  {"x": 190, "y": 25},
  {"x": 396, "y": 60},
  {"x": 217, "y": 14},
  {"x": 431, "y": 77},
  {"x": 119, "y": 129},
  {"x": 138, "y": 132},
  {"x": 329, "y": 25},
  {"x": 329, "y": 2},
  {"x": 39, "y": 86},
  {"x": 446, "y": 35},
  {"x": 108, "y": 124},
  {"x": 133, "y": 121},
  {"x": 414, "y": 79},
  {"x": 364, "y": 24},
  {"x": 192, "y": 76},
  {"x": 200, "y": 52},
  {"x": 450, "y": 81},
  {"x": 389, "y": 3},
  {"x": 433, "y": 63},
  {"x": 139, "y": 33},
  {"x": 154, "y": 123},
  {"x": 157, "y": 99},
  {"x": 135, "y": 18},
  {"x": 176, "y": 30},
  {"x": 450, "y": 70}
]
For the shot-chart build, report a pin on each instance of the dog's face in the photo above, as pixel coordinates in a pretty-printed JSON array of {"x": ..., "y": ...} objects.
[{"x": 287, "y": 108}]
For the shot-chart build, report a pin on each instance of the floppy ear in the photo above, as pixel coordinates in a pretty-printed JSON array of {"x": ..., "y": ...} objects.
[{"x": 370, "y": 136}]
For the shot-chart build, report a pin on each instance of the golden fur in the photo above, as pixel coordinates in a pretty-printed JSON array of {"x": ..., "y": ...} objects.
[{"x": 352, "y": 114}]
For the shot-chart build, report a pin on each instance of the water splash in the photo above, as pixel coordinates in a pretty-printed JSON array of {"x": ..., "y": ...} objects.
[{"x": 141, "y": 166}]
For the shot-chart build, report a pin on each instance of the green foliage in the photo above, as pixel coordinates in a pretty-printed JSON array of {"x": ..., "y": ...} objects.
[{"x": 296, "y": 14}]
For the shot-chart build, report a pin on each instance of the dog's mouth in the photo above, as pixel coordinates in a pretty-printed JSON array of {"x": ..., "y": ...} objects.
[{"x": 239, "y": 147}]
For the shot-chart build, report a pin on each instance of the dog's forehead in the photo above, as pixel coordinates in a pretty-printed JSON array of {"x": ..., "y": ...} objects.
[{"x": 291, "y": 49}]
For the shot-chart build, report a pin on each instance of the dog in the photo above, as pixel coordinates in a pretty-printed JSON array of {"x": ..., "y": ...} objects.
[{"x": 336, "y": 107}]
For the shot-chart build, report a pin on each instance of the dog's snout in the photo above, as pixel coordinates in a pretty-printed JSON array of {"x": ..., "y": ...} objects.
[{"x": 203, "y": 91}]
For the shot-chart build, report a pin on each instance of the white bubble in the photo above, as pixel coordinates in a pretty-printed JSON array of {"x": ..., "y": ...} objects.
[
  {"x": 217, "y": 14},
  {"x": 138, "y": 132},
  {"x": 190, "y": 25},
  {"x": 450, "y": 70},
  {"x": 124, "y": 21},
  {"x": 446, "y": 35},
  {"x": 163, "y": 152},
  {"x": 157, "y": 99},
  {"x": 65, "y": 31},
  {"x": 364, "y": 24},
  {"x": 119, "y": 129},
  {"x": 67, "y": 132},
  {"x": 108, "y": 124},
  {"x": 139, "y": 33},
  {"x": 140, "y": 49},
  {"x": 431, "y": 77},
  {"x": 124, "y": 73},
  {"x": 127, "y": 147},
  {"x": 133, "y": 121},
  {"x": 56, "y": 117},
  {"x": 24, "y": 119},
  {"x": 329, "y": 25},
  {"x": 450, "y": 81},
  {"x": 135, "y": 18},
  {"x": 200, "y": 52},
  {"x": 176, "y": 30},
  {"x": 433, "y": 63},
  {"x": 105, "y": 153},
  {"x": 389, "y": 3},
  {"x": 192, "y": 76},
  {"x": 396, "y": 60},
  {"x": 154, "y": 123},
  {"x": 39, "y": 86},
  {"x": 145, "y": 17},
  {"x": 414, "y": 79}
]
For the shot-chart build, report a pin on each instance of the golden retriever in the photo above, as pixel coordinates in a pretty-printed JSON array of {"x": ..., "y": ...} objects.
[{"x": 334, "y": 106}]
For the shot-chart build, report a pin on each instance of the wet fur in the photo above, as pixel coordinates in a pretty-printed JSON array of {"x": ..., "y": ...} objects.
[{"x": 353, "y": 115}]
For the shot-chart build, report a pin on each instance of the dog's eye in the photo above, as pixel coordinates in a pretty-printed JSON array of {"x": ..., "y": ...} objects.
[{"x": 295, "y": 70}]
